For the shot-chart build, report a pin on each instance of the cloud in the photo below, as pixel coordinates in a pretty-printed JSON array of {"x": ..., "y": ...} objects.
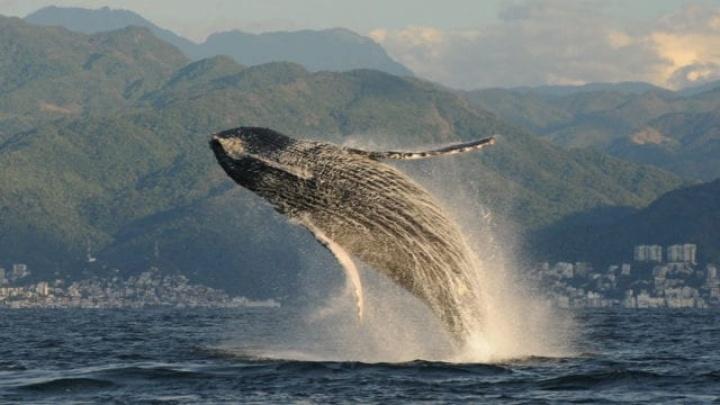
[
  {"x": 689, "y": 42},
  {"x": 558, "y": 42}
]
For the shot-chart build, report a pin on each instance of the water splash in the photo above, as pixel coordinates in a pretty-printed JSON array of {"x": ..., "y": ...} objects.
[{"x": 516, "y": 320}]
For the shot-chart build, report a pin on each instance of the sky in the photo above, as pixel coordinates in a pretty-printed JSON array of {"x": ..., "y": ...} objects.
[{"x": 474, "y": 44}]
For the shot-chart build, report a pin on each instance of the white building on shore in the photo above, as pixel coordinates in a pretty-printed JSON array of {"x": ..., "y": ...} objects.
[
  {"x": 682, "y": 253},
  {"x": 648, "y": 253}
]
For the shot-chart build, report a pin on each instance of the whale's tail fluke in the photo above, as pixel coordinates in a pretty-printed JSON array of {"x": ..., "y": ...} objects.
[{"x": 446, "y": 151}]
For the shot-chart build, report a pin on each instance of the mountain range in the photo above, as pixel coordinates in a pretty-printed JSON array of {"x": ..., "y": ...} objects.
[
  {"x": 676, "y": 131},
  {"x": 49, "y": 73},
  {"x": 686, "y": 215},
  {"x": 118, "y": 166},
  {"x": 335, "y": 49}
]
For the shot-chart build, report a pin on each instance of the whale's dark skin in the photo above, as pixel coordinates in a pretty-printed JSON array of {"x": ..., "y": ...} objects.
[{"x": 370, "y": 209}]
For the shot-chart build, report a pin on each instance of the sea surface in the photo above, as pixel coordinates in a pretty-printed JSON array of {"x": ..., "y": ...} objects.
[{"x": 206, "y": 356}]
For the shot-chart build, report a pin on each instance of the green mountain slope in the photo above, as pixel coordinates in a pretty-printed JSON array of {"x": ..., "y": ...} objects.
[
  {"x": 686, "y": 215},
  {"x": 684, "y": 143},
  {"x": 132, "y": 181},
  {"x": 673, "y": 131},
  {"x": 49, "y": 73}
]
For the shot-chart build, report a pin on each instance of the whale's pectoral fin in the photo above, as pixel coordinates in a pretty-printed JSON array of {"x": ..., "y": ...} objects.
[
  {"x": 353, "y": 276},
  {"x": 448, "y": 150}
]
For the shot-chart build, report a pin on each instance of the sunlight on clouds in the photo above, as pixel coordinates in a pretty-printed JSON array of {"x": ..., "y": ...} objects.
[
  {"x": 715, "y": 22},
  {"x": 543, "y": 43},
  {"x": 410, "y": 36},
  {"x": 379, "y": 35},
  {"x": 619, "y": 39},
  {"x": 690, "y": 43},
  {"x": 678, "y": 51}
]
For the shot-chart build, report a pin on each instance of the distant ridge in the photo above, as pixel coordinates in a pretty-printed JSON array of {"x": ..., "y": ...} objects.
[
  {"x": 565, "y": 90},
  {"x": 103, "y": 19},
  {"x": 335, "y": 49},
  {"x": 702, "y": 88},
  {"x": 676, "y": 131},
  {"x": 686, "y": 215}
]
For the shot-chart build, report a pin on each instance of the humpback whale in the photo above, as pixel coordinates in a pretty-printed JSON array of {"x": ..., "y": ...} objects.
[{"x": 359, "y": 207}]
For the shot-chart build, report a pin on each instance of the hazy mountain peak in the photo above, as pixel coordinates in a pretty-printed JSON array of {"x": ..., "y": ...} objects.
[
  {"x": 334, "y": 49},
  {"x": 104, "y": 19},
  {"x": 86, "y": 20},
  {"x": 636, "y": 88}
]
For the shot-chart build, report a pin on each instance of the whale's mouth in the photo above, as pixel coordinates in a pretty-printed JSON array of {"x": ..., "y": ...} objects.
[{"x": 232, "y": 146}]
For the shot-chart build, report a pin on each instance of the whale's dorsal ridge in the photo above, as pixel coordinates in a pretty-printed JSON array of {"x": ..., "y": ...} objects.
[{"x": 445, "y": 151}]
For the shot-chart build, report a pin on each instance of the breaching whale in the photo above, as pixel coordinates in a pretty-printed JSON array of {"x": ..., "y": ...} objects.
[{"x": 357, "y": 206}]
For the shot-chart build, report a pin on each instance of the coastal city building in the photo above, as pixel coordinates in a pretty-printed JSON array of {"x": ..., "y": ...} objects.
[
  {"x": 647, "y": 253},
  {"x": 682, "y": 253},
  {"x": 19, "y": 270},
  {"x": 148, "y": 289},
  {"x": 648, "y": 283}
]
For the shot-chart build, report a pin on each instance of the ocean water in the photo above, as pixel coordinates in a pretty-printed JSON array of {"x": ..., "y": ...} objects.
[{"x": 232, "y": 356}]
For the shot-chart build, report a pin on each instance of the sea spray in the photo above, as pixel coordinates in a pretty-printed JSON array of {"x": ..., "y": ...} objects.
[{"x": 516, "y": 320}]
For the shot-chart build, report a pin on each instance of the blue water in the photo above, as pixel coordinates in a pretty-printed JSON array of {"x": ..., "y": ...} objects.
[{"x": 183, "y": 356}]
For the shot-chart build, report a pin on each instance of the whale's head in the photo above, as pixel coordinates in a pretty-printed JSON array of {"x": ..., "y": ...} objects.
[
  {"x": 241, "y": 142},
  {"x": 251, "y": 156}
]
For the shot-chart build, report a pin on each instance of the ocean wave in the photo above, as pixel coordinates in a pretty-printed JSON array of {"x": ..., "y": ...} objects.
[
  {"x": 184, "y": 356},
  {"x": 67, "y": 385},
  {"x": 603, "y": 378},
  {"x": 153, "y": 373}
]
